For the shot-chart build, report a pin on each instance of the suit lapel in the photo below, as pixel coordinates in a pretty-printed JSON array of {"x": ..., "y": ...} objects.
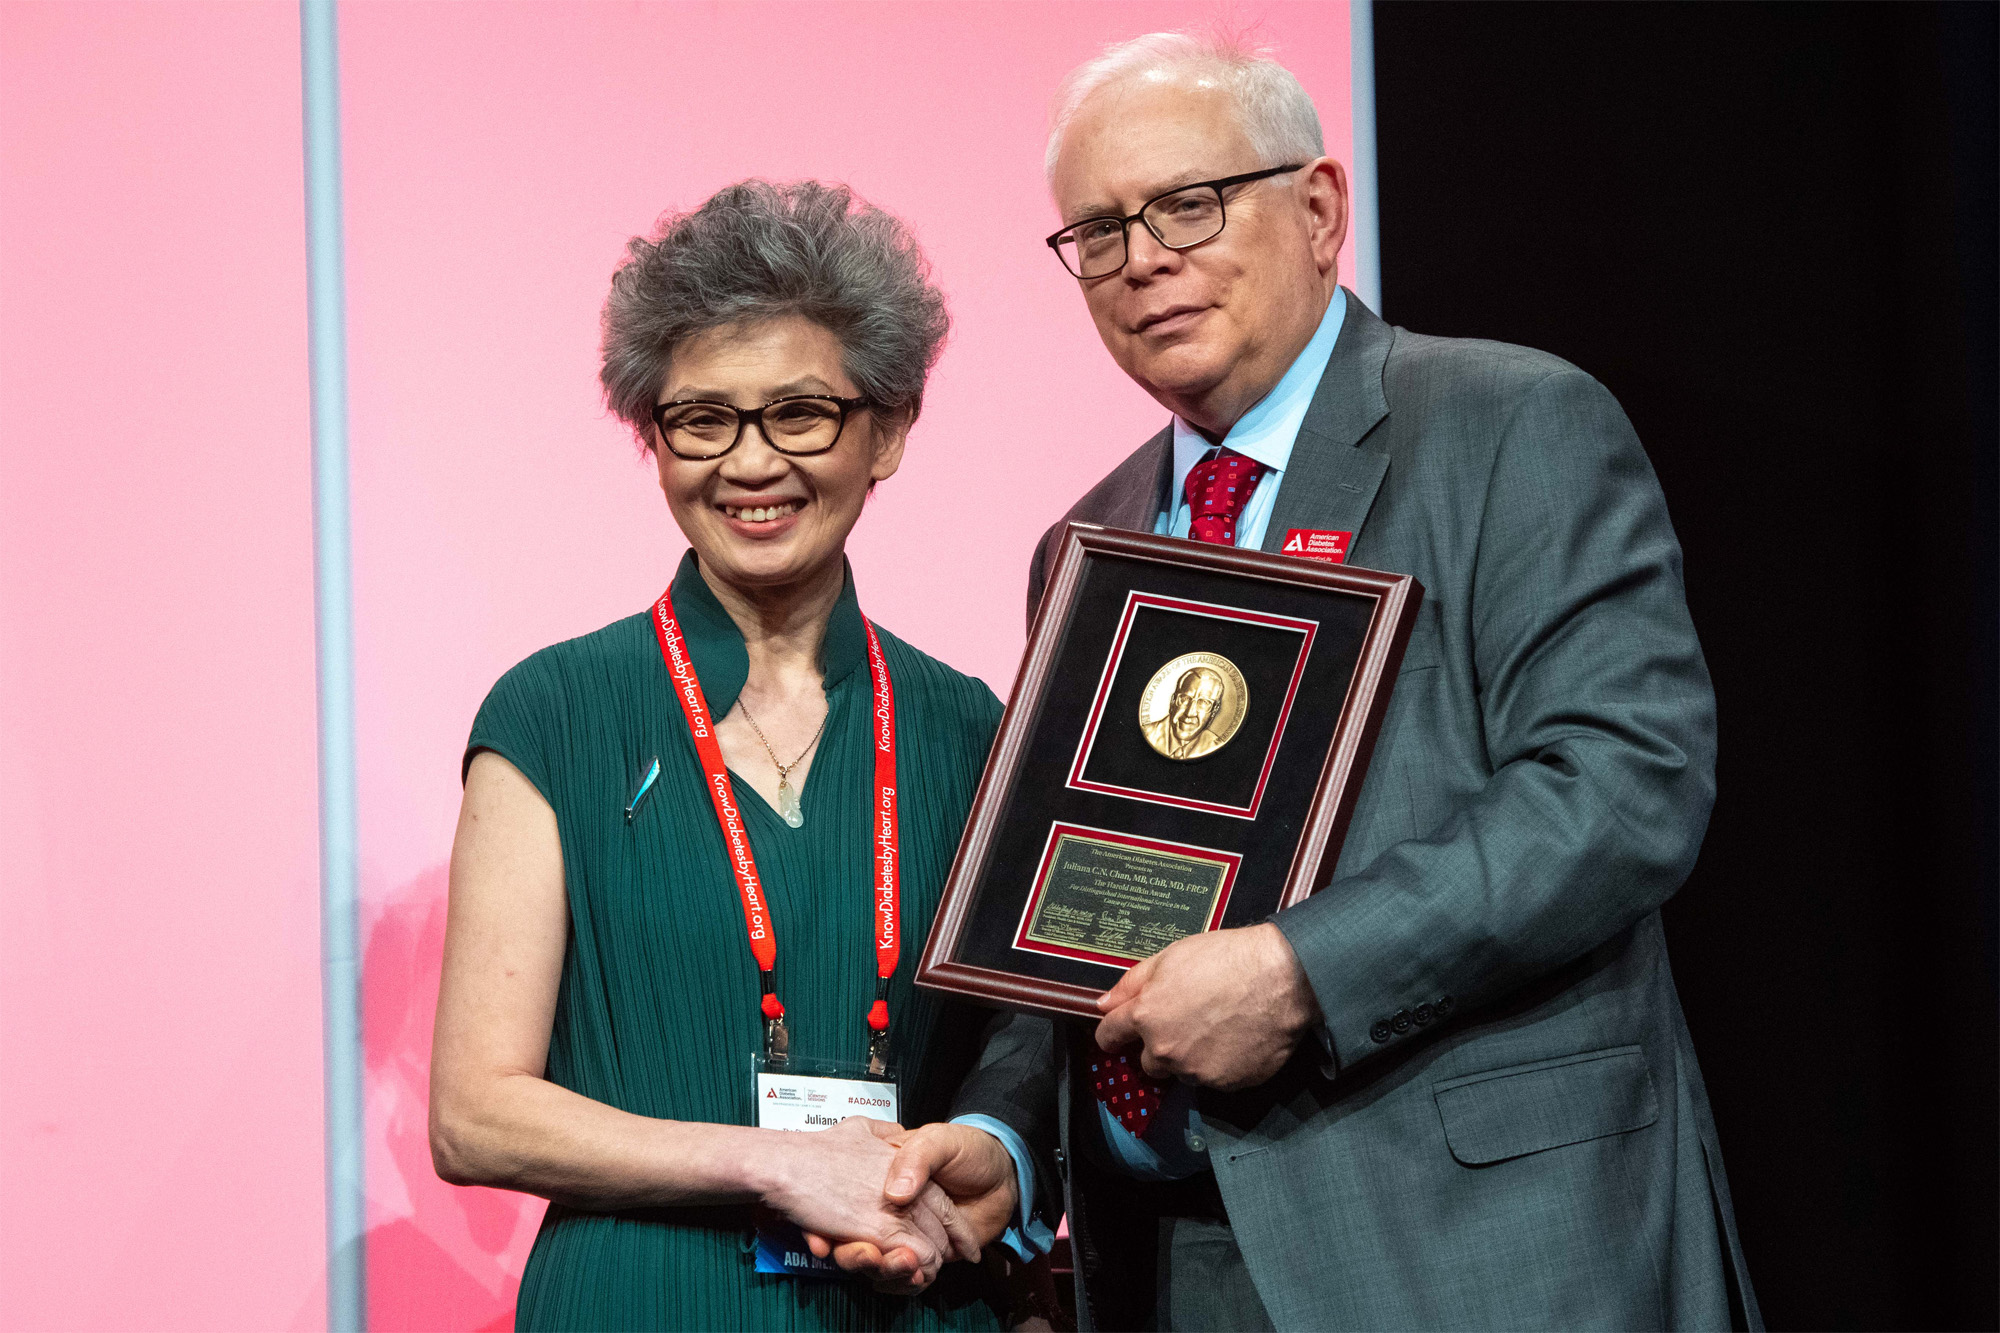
[
  {"x": 1141, "y": 499},
  {"x": 1331, "y": 481}
]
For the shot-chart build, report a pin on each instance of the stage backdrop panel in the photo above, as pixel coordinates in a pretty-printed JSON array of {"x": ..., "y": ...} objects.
[
  {"x": 498, "y": 158},
  {"x": 160, "y": 1143}
]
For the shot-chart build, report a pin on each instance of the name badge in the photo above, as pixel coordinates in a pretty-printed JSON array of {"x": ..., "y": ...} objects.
[{"x": 804, "y": 1098}]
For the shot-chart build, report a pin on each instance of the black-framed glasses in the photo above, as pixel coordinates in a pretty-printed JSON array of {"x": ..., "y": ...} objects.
[
  {"x": 1184, "y": 216},
  {"x": 799, "y": 425}
]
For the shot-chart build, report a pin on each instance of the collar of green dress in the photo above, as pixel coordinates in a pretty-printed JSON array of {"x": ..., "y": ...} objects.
[{"x": 716, "y": 645}]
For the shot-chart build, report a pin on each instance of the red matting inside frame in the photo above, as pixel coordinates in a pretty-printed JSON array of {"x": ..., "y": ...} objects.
[
  {"x": 1133, "y": 603},
  {"x": 1232, "y": 860}
]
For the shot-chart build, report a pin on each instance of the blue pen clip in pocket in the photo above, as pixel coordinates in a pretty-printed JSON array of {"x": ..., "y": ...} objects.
[{"x": 652, "y": 776}]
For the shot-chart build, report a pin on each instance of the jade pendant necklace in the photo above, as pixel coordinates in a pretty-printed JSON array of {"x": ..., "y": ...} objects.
[{"x": 789, "y": 809}]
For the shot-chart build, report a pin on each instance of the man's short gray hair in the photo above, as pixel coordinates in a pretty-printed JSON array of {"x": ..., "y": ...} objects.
[
  {"x": 1277, "y": 116},
  {"x": 756, "y": 251}
]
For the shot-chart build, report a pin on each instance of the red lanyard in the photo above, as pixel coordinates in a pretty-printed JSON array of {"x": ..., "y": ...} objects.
[{"x": 887, "y": 887}]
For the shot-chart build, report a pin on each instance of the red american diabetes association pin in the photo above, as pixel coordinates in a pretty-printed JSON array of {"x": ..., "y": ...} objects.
[{"x": 1317, "y": 544}]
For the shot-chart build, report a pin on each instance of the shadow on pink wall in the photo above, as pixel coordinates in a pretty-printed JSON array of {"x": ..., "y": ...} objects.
[{"x": 439, "y": 1256}]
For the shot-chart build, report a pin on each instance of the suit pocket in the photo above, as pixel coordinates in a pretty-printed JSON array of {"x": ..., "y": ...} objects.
[{"x": 1547, "y": 1104}]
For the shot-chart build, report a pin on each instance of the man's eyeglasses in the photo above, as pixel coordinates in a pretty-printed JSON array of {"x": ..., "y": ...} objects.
[
  {"x": 801, "y": 425},
  {"x": 1182, "y": 217}
]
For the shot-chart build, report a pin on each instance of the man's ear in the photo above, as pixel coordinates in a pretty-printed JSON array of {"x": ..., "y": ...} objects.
[{"x": 1327, "y": 210}]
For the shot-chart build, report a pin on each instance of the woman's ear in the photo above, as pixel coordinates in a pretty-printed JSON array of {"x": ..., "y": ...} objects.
[
  {"x": 891, "y": 432},
  {"x": 660, "y": 457}
]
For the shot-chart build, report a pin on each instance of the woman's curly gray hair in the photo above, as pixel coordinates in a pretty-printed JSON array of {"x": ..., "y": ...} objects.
[{"x": 757, "y": 250}]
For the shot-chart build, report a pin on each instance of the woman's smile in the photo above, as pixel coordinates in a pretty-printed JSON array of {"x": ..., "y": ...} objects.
[{"x": 761, "y": 518}]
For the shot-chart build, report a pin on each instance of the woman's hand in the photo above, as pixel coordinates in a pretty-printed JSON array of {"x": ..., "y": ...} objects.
[
  {"x": 971, "y": 1172},
  {"x": 832, "y": 1183}
]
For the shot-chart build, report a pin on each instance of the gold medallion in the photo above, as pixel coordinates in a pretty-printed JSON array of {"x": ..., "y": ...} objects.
[{"x": 1193, "y": 705}]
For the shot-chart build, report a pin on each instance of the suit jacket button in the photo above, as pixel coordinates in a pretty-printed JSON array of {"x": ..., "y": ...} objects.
[
  {"x": 1423, "y": 1014},
  {"x": 1379, "y": 1033},
  {"x": 1445, "y": 1006},
  {"x": 1401, "y": 1022}
]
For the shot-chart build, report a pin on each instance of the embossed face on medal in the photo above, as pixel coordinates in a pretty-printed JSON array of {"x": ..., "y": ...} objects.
[{"x": 1193, "y": 705}]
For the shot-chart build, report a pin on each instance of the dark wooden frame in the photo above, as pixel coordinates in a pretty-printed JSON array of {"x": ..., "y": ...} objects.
[{"x": 1396, "y": 596}]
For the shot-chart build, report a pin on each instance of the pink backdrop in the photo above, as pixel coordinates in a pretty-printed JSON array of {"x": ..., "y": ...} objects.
[
  {"x": 159, "y": 989},
  {"x": 160, "y": 1015}
]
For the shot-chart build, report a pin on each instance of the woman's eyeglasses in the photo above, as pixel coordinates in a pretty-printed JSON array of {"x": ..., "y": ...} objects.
[{"x": 800, "y": 425}]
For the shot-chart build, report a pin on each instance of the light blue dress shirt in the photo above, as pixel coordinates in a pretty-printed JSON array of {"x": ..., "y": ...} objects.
[
  {"x": 1175, "y": 1147},
  {"x": 1030, "y": 1235}
]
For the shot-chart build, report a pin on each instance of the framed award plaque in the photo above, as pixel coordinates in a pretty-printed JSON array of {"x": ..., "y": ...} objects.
[{"x": 1186, "y": 738}]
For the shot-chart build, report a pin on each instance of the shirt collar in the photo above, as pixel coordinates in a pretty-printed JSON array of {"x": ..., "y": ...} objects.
[
  {"x": 1269, "y": 429},
  {"x": 716, "y": 645}
]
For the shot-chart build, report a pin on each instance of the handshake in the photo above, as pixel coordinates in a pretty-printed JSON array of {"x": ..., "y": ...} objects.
[
  {"x": 891, "y": 1204},
  {"x": 1224, "y": 1009}
]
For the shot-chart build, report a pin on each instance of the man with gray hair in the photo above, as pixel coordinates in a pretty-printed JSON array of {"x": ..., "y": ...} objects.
[{"x": 1454, "y": 1089}]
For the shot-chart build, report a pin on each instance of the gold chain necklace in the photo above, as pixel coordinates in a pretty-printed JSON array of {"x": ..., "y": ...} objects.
[{"x": 788, "y": 799}]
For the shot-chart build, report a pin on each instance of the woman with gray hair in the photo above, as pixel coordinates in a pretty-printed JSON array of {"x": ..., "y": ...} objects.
[{"x": 665, "y": 944}]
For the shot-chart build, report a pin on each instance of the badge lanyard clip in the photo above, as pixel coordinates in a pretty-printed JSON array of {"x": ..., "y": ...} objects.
[
  {"x": 777, "y": 1037},
  {"x": 878, "y": 1037}
]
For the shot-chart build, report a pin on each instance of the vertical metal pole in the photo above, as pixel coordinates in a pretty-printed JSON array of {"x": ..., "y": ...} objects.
[
  {"x": 340, "y": 970},
  {"x": 1367, "y": 220}
]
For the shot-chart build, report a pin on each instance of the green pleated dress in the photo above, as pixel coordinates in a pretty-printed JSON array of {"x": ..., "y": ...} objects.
[{"x": 657, "y": 1012}]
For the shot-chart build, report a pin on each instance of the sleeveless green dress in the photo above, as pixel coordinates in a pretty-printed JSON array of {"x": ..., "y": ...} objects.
[{"x": 658, "y": 1008}]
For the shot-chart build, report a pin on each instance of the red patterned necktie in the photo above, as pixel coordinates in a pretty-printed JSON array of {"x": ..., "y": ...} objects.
[
  {"x": 1217, "y": 489},
  {"x": 1127, "y": 1091}
]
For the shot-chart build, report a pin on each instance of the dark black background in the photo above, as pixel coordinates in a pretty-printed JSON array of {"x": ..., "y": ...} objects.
[{"x": 1770, "y": 230}]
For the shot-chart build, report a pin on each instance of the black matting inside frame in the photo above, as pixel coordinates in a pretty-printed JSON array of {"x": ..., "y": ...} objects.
[{"x": 1266, "y": 656}]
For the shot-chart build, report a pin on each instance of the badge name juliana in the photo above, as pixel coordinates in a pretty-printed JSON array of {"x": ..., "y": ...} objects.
[{"x": 791, "y": 1100}]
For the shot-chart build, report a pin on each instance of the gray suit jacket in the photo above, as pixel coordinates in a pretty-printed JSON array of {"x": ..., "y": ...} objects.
[{"x": 1511, "y": 1130}]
